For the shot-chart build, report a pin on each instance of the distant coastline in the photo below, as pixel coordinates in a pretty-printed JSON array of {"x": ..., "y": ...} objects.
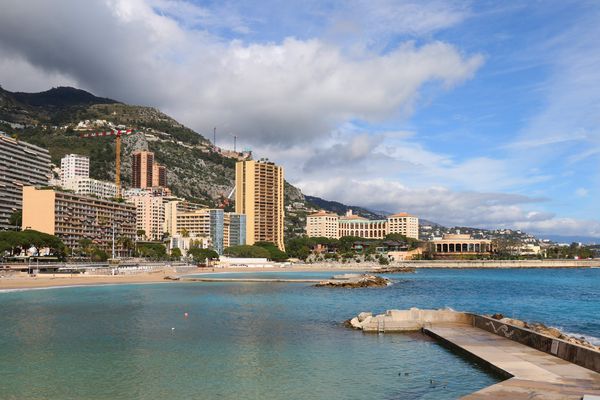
[{"x": 24, "y": 282}]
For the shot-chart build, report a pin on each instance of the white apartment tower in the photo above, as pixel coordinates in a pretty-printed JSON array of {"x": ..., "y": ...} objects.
[{"x": 74, "y": 166}]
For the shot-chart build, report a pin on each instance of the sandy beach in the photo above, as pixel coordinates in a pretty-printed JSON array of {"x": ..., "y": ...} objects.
[{"x": 23, "y": 281}]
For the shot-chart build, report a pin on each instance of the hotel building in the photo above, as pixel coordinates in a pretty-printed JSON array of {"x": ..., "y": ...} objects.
[
  {"x": 259, "y": 195},
  {"x": 21, "y": 164},
  {"x": 323, "y": 224},
  {"x": 73, "y": 217}
]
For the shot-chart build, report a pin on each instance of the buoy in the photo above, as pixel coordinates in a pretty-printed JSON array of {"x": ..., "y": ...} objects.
[
  {"x": 172, "y": 329},
  {"x": 186, "y": 315}
]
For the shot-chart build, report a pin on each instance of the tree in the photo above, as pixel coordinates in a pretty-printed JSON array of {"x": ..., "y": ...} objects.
[
  {"x": 247, "y": 251},
  {"x": 154, "y": 251},
  {"x": 141, "y": 233},
  {"x": 176, "y": 253},
  {"x": 16, "y": 219},
  {"x": 274, "y": 253},
  {"x": 384, "y": 260},
  {"x": 85, "y": 246},
  {"x": 201, "y": 255}
]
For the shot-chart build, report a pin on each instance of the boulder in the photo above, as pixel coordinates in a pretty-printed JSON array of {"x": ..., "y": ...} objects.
[
  {"x": 355, "y": 324},
  {"x": 514, "y": 322},
  {"x": 363, "y": 315}
]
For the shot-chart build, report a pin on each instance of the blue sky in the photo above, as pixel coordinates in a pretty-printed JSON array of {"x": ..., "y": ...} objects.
[{"x": 479, "y": 113}]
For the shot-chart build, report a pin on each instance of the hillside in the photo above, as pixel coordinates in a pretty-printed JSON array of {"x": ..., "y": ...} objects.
[{"x": 54, "y": 119}]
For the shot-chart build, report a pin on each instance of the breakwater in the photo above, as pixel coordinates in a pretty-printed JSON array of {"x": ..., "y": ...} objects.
[
  {"x": 534, "y": 364},
  {"x": 473, "y": 264}
]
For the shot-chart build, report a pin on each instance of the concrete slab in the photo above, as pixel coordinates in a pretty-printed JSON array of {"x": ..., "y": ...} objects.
[{"x": 534, "y": 374}]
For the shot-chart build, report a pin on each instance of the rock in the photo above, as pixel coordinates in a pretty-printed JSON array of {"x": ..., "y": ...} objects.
[
  {"x": 366, "y": 321},
  {"x": 356, "y": 282},
  {"x": 394, "y": 270},
  {"x": 514, "y": 322},
  {"x": 171, "y": 278},
  {"x": 497, "y": 316},
  {"x": 355, "y": 324},
  {"x": 363, "y": 315}
]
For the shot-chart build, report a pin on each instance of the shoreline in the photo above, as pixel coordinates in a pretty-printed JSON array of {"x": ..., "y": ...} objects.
[{"x": 41, "y": 281}]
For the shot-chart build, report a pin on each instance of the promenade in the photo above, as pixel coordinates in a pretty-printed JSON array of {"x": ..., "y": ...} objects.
[{"x": 531, "y": 373}]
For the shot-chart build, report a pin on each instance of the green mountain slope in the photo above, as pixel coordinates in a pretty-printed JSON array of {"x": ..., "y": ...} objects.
[{"x": 55, "y": 119}]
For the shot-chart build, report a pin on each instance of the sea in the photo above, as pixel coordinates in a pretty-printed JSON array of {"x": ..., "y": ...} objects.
[{"x": 195, "y": 340}]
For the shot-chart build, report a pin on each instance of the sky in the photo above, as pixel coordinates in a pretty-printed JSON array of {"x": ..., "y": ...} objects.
[{"x": 466, "y": 113}]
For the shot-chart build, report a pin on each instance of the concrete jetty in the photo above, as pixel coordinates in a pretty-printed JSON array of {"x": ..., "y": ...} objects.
[{"x": 536, "y": 366}]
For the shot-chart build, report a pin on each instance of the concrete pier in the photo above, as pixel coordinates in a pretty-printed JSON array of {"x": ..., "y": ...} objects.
[{"x": 531, "y": 373}]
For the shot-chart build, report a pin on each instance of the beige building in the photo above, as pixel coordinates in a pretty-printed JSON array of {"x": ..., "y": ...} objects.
[
  {"x": 173, "y": 208},
  {"x": 354, "y": 225},
  {"x": 21, "y": 164},
  {"x": 150, "y": 215},
  {"x": 404, "y": 224},
  {"x": 323, "y": 224},
  {"x": 259, "y": 195},
  {"x": 452, "y": 244},
  {"x": 73, "y": 217}
]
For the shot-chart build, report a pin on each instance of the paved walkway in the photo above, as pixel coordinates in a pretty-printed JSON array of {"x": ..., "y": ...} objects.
[{"x": 533, "y": 374}]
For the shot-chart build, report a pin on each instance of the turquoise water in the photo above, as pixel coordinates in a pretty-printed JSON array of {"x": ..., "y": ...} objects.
[{"x": 265, "y": 341}]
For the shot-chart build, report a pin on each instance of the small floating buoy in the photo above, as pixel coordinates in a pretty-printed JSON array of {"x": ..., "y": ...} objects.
[
  {"x": 186, "y": 315},
  {"x": 172, "y": 329}
]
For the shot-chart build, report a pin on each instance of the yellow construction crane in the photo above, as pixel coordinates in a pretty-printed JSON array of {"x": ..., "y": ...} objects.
[{"x": 117, "y": 134}]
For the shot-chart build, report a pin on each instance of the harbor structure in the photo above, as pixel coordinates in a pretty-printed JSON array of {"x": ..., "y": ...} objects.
[
  {"x": 21, "y": 164},
  {"x": 259, "y": 187},
  {"x": 73, "y": 217}
]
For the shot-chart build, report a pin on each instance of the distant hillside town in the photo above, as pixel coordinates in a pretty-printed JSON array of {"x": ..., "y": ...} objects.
[{"x": 111, "y": 180}]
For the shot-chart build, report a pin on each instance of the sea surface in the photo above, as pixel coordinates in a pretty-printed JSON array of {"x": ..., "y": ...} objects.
[{"x": 267, "y": 340}]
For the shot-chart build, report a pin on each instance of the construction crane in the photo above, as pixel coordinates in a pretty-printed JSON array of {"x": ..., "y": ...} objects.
[
  {"x": 117, "y": 134},
  {"x": 224, "y": 202}
]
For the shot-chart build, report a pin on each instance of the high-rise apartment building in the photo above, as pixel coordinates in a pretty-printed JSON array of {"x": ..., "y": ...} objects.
[
  {"x": 159, "y": 175},
  {"x": 142, "y": 168},
  {"x": 150, "y": 215},
  {"x": 146, "y": 172},
  {"x": 74, "y": 166},
  {"x": 173, "y": 208},
  {"x": 259, "y": 195},
  {"x": 21, "y": 164},
  {"x": 74, "y": 217}
]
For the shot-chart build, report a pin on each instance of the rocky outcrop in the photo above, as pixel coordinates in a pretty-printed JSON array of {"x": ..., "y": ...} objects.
[
  {"x": 394, "y": 270},
  {"x": 545, "y": 330},
  {"x": 171, "y": 278},
  {"x": 355, "y": 281}
]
